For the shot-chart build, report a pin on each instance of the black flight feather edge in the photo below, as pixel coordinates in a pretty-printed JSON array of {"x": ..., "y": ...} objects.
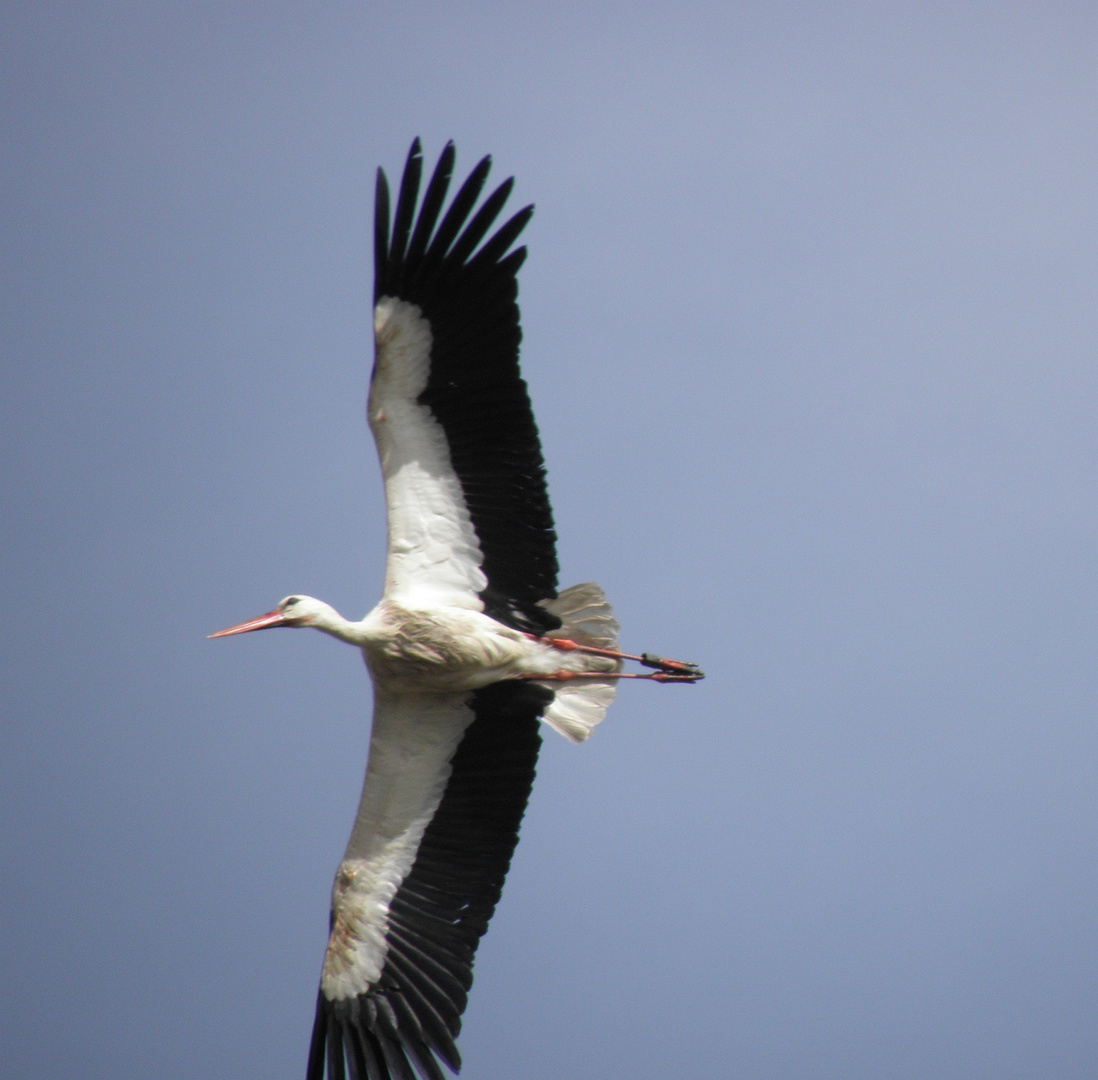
[
  {"x": 474, "y": 389},
  {"x": 407, "y": 1024}
]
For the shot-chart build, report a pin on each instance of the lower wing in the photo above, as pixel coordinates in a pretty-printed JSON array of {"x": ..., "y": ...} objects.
[{"x": 446, "y": 787}]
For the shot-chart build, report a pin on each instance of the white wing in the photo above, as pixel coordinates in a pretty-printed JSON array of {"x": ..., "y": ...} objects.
[
  {"x": 469, "y": 518},
  {"x": 445, "y": 790},
  {"x": 434, "y": 555},
  {"x": 411, "y": 746}
]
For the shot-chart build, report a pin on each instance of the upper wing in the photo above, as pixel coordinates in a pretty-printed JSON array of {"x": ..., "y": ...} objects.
[
  {"x": 445, "y": 790},
  {"x": 469, "y": 517}
]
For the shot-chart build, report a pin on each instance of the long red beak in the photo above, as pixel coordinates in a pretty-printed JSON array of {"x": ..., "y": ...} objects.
[{"x": 260, "y": 622}]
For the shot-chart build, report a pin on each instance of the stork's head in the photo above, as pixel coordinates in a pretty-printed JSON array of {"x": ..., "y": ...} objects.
[{"x": 293, "y": 611}]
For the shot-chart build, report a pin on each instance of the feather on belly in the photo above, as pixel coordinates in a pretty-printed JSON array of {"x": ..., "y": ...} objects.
[{"x": 441, "y": 650}]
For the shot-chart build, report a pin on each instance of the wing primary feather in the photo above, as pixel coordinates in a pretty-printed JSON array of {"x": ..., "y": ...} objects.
[
  {"x": 336, "y": 1069},
  {"x": 481, "y": 223},
  {"x": 455, "y": 990},
  {"x": 510, "y": 265},
  {"x": 460, "y": 209},
  {"x": 433, "y": 198},
  {"x": 413, "y": 1038},
  {"x": 367, "y": 1044},
  {"x": 408, "y": 1024},
  {"x": 315, "y": 1069},
  {"x": 411, "y": 974},
  {"x": 395, "y": 1058},
  {"x": 436, "y": 1032},
  {"x": 405, "y": 212},
  {"x": 381, "y": 229},
  {"x": 425, "y": 1063},
  {"x": 356, "y": 1059},
  {"x": 490, "y": 254}
]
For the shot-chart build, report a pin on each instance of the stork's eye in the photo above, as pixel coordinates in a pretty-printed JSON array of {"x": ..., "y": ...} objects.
[{"x": 290, "y": 602}]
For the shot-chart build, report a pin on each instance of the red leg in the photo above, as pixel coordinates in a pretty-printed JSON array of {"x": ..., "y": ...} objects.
[
  {"x": 656, "y": 676},
  {"x": 674, "y": 667}
]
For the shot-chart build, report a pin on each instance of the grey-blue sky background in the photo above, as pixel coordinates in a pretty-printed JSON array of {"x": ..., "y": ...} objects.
[{"x": 810, "y": 327}]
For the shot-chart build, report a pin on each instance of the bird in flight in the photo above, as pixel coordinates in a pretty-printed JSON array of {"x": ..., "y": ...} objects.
[{"x": 471, "y": 646}]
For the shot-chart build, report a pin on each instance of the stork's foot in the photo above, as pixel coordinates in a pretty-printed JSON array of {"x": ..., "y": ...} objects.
[{"x": 674, "y": 667}]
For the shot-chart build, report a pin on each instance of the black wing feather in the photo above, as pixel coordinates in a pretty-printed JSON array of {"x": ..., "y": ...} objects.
[
  {"x": 381, "y": 218},
  {"x": 406, "y": 203},
  {"x": 336, "y": 1067},
  {"x": 409, "y": 1021},
  {"x": 475, "y": 390},
  {"x": 433, "y": 199},
  {"x": 460, "y": 208},
  {"x": 482, "y": 221},
  {"x": 494, "y": 250}
]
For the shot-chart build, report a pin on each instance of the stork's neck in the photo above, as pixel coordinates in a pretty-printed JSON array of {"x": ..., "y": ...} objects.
[{"x": 322, "y": 616}]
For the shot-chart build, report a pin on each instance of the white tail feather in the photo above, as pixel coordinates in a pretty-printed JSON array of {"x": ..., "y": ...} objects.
[{"x": 587, "y": 619}]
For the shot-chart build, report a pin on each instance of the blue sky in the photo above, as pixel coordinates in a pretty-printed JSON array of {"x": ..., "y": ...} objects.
[{"x": 810, "y": 328}]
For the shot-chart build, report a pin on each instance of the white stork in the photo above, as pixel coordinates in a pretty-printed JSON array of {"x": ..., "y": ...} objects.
[{"x": 470, "y": 647}]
